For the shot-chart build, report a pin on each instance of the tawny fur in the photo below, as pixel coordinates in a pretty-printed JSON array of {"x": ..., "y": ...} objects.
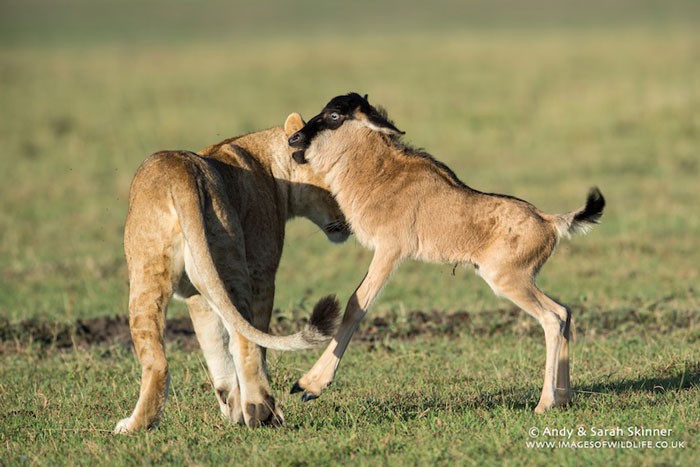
[
  {"x": 402, "y": 203},
  {"x": 209, "y": 227}
]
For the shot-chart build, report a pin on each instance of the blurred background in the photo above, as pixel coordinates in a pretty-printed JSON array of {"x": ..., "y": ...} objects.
[{"x": 539, "y": 99}]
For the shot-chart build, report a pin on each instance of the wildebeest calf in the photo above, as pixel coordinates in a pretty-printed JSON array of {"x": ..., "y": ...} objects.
[{"x": 402, "y": 203}]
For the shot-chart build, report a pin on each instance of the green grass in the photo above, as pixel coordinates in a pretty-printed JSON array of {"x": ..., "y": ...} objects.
[
  {"x": 540, "y": 103},
  {"x": 465, "y": 400}
]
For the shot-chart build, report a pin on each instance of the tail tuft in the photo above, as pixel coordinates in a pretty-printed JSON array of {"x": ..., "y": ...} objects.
[
  {"x": 590, "y": 214},
  {"x": 324, "y": 321}
]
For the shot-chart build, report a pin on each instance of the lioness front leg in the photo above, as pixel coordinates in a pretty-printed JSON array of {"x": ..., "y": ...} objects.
[{"x": 214, "y": 341}]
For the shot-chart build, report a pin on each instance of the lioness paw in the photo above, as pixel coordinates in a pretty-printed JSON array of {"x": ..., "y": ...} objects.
[{"x": 265, "y": 413}]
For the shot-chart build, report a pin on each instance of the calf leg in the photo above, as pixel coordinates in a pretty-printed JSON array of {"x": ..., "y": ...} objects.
[
  {"x": 563, "y": 378},
  {"x": 555, "y": 320},
  {"x": 558, "y": 320},
  {"x": 553, "y": 334},
  {"x": 323, "y": 372}
]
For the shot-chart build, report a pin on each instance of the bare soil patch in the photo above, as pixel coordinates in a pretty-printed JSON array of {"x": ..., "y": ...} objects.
[
  {"x": 111, "y": 330},
  {"x": 374, "y": 331}
]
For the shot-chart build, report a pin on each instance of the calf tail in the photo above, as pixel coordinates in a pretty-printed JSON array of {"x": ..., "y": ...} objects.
[{"x": 583, "y": 219}]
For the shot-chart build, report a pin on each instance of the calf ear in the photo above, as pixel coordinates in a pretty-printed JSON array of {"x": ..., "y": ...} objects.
[
  {"x": 377, "y": 122},
  {"x": 293, "y": 124}
]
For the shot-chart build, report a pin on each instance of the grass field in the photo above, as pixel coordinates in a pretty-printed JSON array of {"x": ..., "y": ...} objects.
[{"x": 540, "y": 102}]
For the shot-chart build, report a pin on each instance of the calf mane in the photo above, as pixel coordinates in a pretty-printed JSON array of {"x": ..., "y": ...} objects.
[{"x": 409, "y": 151}]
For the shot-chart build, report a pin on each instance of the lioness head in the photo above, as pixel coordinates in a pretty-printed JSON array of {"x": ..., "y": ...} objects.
[{"x": 310, "y": 196}]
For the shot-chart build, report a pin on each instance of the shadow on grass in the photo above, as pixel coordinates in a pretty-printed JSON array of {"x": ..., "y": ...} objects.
[
  {"x": 675, "y": 379},
  {"x": 414, "y": 405}
]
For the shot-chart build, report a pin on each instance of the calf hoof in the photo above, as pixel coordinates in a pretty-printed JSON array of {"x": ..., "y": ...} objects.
[
  {"x": 563, "y": 398},
  {"x": 306, "y": 396},
  {"x": 124, "y": 427},
  {"x": 543, "y": 407}
]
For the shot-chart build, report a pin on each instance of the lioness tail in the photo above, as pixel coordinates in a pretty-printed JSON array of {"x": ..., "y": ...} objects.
[{"x": 189, "y": 204}]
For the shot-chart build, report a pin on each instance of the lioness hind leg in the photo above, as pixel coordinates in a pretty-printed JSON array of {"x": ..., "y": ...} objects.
[
  {"x": 228, "y": 254},
  {"x": 260, "y": 407},
  {"x": 214, "y": 340},
  {"x": 258, "y": 404},
  {"x": 147, "y": 307}
]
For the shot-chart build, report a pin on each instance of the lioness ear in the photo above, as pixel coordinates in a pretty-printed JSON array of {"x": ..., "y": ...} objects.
[{"x": 293, "y": 124}]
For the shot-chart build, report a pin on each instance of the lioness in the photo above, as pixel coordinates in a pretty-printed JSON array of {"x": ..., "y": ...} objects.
[
  {"x": 402, "y": 203},
  {"x": 209, "y": 227}
]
